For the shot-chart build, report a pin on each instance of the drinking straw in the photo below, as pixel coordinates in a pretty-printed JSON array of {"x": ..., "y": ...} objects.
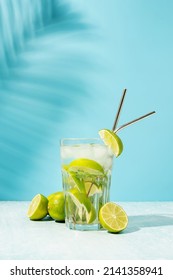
[
  {"x": 135, "y": 120},
  {"x": 119, "y": 110}
]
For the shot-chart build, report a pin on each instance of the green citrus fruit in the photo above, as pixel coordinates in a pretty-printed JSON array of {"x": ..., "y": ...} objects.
[
  {"x": 87, "y": 166},
  {"x": 112, "y": 217},
  {"x": 52, "y": 195},
  {"x": 82, "y": 202},
  {"x": 38, "y": 207},
  {"x": 75, "y": 181},
  {"x": 56, "y": 207},
  {"x": 112, "y": 140},
  {"x": 92, "y": 188}
]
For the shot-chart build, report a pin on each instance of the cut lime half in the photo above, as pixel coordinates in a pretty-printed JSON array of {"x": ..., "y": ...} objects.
[
  {"x": 112, "y": 140},
  {"x": 112, "y": 217},
  {"x": 38, "y": 207}
]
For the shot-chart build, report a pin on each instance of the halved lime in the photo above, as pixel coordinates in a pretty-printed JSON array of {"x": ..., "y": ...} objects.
[
  {"x": 83, "y": 203},
  {"x": 38, "y": 207},
  {"x": 87, "y": 166},
  {"x": 112, "y": 217},
  {"x": 112, "y": 140}
]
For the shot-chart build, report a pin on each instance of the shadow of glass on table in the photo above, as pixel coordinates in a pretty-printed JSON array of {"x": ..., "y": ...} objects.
[{"x": 136, "y": 223}]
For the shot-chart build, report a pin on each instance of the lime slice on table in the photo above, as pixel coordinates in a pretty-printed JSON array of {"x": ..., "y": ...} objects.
[
  {"x": 38, "y": 207},
  {"x": 112, "y": 140},
  {"x": 112, "y": 217},
  {"x": 87, "y": 166},
  {"x": 83, "y": 203}
]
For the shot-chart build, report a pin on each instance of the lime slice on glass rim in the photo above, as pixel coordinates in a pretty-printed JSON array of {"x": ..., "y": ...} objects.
[
  {"x": 38, "y": 207},
  {"x": 86, "y": 165},
  {"x": 112, "y": 217},
  {"x": 83, "y": 203},
  {"x": 112, "y": 140}
]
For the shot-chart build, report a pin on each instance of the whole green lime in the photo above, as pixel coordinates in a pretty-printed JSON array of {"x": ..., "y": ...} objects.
[
  {"x": 52, "y": 195},
  {"x": 56, "y": 207}
]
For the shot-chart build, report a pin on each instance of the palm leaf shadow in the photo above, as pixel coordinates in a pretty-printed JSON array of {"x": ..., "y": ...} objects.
[{"x": 40, "y": 81}]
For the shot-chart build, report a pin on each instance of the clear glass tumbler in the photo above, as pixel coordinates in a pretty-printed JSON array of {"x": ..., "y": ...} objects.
[{"x": 86, "y": 177}]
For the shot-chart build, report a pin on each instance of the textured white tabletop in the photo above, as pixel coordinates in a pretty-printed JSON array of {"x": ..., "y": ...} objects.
[{"x": 149, "y": 235}]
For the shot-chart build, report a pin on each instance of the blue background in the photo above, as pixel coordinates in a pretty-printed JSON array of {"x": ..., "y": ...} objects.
[{"x": 63, "y": 66}]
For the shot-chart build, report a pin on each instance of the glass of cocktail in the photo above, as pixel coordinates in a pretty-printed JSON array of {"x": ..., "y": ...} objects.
[{"x": 86, "y": 177}]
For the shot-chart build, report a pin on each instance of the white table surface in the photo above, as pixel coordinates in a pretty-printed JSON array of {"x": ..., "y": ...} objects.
[{"x": 149, "y": 235}]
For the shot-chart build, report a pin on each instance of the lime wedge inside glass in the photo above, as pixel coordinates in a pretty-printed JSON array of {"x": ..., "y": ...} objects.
[
  {"x": 76, "y": 182},
  {"x": 112, "y": 217},
  {"x": 92, "y": 188},
  {"x": 87, "y": 166},
  {"x": 83, "y": 203},
  {"x": 91, "y": 216},
  {"x": 112, "y": 140}
]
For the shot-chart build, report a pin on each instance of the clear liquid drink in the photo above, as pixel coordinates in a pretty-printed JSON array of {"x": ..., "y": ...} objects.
[{"x": 86, "y": 178}]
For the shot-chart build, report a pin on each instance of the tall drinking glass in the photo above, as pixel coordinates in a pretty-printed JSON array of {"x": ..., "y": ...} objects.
[{"x": 86, "y": 178}]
